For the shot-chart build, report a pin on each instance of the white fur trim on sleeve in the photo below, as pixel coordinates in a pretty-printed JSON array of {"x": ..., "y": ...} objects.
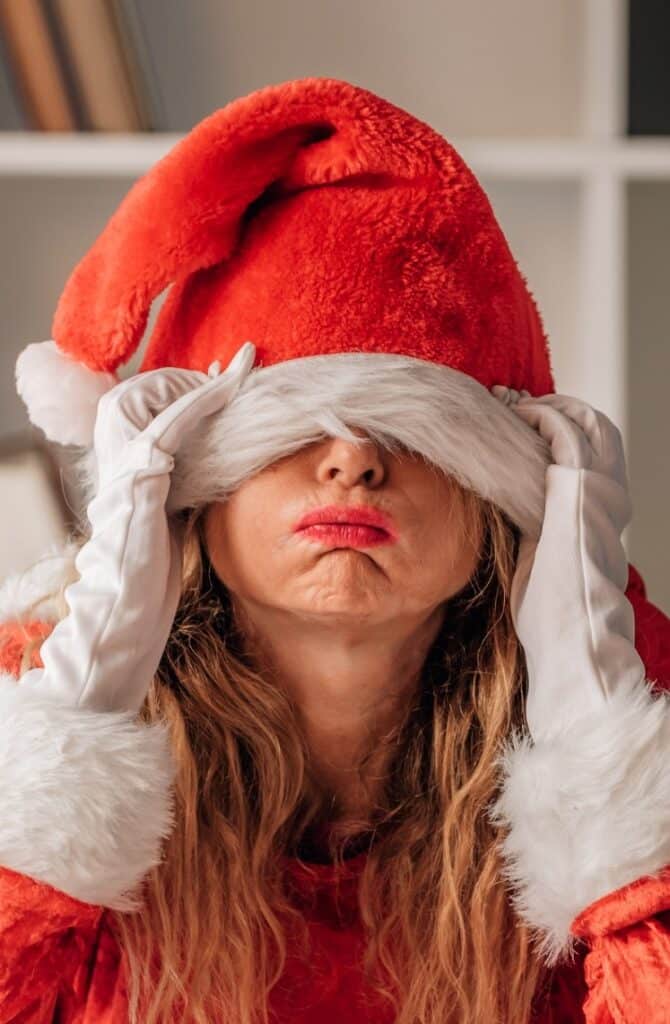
[
  {"x": 86, "y": 797},
  {"x": 588, "y": 811}
]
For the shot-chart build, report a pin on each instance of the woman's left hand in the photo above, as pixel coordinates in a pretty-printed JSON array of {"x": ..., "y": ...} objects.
[{"x": 568, "y": 604}]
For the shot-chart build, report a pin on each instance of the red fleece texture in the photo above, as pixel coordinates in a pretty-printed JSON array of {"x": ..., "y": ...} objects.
[{"x": 309, "y": 217}]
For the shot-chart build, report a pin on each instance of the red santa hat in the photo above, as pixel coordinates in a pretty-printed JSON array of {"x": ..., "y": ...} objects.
[{"x": 354, "y": 247}]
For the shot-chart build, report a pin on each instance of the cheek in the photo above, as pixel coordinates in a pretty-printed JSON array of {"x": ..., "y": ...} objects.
[
  {"x": 241, "y": 541},
  {"x": 451, "y": 551}
]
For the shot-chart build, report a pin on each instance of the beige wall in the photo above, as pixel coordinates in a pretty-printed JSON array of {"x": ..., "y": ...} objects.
[
  {"x": 468, "y": 67},
  {"x": 649, "y": 384}
]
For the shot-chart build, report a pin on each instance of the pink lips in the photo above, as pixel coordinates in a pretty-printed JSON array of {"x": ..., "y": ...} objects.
[{"x": 356, "y": 526}]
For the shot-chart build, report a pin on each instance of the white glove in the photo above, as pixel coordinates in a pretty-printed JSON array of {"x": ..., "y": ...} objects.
[
  {"x": 585, "y": 792},
  {"x": 104, "y": 653},
  {"x": 567, "y": 600}
]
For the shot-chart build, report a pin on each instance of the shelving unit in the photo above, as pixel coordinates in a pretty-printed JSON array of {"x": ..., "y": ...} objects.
[
  {"x": 563, "y": 200},
  {"x": 80, "y": 155}
]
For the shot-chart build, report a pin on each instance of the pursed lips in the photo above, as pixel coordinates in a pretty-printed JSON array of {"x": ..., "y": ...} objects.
[{"x": 351, "y": 525}]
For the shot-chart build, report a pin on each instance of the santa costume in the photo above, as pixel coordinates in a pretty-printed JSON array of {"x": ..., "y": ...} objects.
[{"x": 351, "y": 244}]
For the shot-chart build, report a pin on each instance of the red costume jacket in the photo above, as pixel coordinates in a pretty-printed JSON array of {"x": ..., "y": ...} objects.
[{"x": 59, "y": 961}]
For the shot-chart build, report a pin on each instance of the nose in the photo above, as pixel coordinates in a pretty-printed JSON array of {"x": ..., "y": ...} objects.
[{"x": 351, "y": 464}]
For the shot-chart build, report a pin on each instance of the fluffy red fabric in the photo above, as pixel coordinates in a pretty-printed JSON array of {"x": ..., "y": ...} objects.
[
  {"x": 627, "y": 967},
  {"x": 310, "y": 217},
  {"x": 14, "y": 638},
  {"x": 59, "y": 960}
]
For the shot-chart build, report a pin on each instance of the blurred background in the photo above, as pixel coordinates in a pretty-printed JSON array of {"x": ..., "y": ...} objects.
[{"x": 561, "y": 108}]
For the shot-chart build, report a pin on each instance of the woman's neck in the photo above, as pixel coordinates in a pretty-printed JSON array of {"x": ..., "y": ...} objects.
[{"x": 352, "y": 684}]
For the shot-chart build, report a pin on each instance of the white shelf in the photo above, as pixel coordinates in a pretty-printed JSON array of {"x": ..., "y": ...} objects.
[
  {"x": 93, "y": 154},
  {"x": 556, "y": 159},
  {"x": 82, "y": 154}
]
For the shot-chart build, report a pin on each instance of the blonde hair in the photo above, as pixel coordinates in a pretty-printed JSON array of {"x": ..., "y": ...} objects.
[{"x": 443, "y": 943}]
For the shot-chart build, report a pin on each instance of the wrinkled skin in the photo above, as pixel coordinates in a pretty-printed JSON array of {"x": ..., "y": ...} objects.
[{"x": 345, "y": 629}]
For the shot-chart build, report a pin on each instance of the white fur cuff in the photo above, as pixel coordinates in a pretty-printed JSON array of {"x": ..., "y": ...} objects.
[
  {"x": 588, "y": 811},
  {"x": 85, "y": 797}
]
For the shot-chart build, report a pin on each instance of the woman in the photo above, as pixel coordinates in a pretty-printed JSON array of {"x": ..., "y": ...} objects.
[{"x": 262, "y": 769}]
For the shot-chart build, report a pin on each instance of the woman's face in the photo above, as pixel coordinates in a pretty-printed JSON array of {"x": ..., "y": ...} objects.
[{"x": 263, "y": 560}]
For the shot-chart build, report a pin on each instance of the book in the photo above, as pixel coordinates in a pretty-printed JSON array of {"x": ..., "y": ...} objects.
[
  {"x": 70, "y": 80},
  {"x": 100, "y": 67},
  {"x": 13, "y": 118},
  {"x": 141, "y": 67},
  {"x": 35, "y": 67}
]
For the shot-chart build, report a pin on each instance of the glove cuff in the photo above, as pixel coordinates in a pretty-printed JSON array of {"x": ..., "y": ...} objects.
[
  {"x": 586, "y": 811},
  {"x": 86, "y": 797}
]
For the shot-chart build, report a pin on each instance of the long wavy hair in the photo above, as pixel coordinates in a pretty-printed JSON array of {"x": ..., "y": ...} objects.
[{"x": 442, "y": 941}]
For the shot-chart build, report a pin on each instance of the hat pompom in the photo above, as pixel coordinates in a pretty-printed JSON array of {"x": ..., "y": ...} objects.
[{"x": 60, "y": 393}]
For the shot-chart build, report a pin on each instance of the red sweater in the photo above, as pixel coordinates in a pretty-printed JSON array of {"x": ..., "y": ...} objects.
[{"x": 59, "y": 961}]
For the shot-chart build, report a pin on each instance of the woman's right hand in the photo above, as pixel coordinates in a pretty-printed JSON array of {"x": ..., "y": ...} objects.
[{"x": 105, "y": 652}]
